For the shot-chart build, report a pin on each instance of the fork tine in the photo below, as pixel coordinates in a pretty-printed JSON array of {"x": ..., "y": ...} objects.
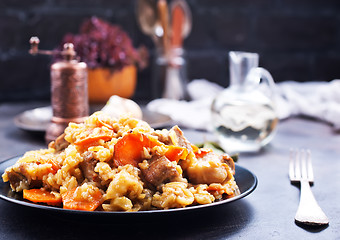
[
  {"x": 291, "y": 165},
  {"x": 297, "y": 165},
  {"x": 300, "y": 165},
  {"x": 309, "y": 166},
  {"x": 303, "y": 158}
]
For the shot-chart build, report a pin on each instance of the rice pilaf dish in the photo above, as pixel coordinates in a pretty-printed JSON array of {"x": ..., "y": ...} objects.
[{"x": 109, "y": 164}]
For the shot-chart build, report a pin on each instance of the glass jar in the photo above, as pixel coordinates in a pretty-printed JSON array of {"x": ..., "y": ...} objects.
[
  {"x": 170, "y": 75},
  {"x": 243, "y": 115}
]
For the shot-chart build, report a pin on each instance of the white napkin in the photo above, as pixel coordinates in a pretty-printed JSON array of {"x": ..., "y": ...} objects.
[
  {"x": 319, "y": 100},
  {"x": 193, "y": 114}
]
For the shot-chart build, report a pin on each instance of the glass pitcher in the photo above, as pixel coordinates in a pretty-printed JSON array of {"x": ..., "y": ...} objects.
[{"x": 243, "y": 115}]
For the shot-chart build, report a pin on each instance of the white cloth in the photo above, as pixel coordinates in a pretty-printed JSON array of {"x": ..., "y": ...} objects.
[
  {"x": 193, "y": 114},
  {"x": 319, "y": 100}
]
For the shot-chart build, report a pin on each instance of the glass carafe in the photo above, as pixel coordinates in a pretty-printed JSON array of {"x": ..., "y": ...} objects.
[{"x": 243, "y": 115}]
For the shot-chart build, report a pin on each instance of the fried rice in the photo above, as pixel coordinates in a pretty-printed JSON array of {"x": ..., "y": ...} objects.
[{"x": 122, "y": 164}]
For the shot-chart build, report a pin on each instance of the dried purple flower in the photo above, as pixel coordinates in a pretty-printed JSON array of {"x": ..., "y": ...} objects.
[{"x": 101, "y": 44}]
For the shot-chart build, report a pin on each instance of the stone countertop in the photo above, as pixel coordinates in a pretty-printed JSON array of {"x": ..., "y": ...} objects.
[{"x": 267, "y": 213}]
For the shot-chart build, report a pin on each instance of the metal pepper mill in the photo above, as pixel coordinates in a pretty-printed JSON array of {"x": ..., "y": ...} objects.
[{"x": 69, "y": 93}]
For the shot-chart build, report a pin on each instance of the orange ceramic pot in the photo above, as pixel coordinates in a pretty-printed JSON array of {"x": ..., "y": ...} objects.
[{"x": 103, "y": 83}]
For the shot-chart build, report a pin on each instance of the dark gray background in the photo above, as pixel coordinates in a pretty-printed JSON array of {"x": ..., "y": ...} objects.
[{"x": 297, "y": 40}]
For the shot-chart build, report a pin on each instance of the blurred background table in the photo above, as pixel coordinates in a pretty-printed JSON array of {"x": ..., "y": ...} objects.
[{"x": 267, "y": 213}]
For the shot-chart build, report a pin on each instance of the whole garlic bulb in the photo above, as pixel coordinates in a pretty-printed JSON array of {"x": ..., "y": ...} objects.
[{"x": 117, "y": 106}]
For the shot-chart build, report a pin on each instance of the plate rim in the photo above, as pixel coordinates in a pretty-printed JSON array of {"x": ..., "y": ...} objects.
[
  {"x": 121, "y": 213},
  {"x": 18, "y": 120}
]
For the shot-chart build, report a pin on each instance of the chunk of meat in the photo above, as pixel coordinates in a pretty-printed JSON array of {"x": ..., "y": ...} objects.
[
  {"x": 19, "y": 179},
  {"x": 229, "y": 161},
  {"x": 174, "y": 136},
  {"x": 209, "y": 169},
  {"x": 87, "y": 166},
  {"x": 160, "y": 170},
  {"x": 59, "y": 144},
  {"x": 162, "y": 136},
  {"x": 178, "y": 138}
]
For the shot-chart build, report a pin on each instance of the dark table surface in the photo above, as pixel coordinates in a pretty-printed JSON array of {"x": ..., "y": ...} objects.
[{"x": 267, "y": 213}]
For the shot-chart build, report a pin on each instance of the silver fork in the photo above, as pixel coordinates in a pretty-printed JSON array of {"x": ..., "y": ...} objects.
[{"x": 300, "y": 170}]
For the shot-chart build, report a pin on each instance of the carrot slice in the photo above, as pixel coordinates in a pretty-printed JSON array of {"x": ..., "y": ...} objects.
[
  {"x": 42, "y": 196},
  {"x": 194, "y": 148},
  {"x": 102, "y": 123},
  {"x": 55, "y": 167},
  {"x": 128, "y": 150},
  {"x": 175, "y": 153},
  {"x": 89, "y": 137},
  {"x": 70, "y": 201},
  {"x": 201, "y": 152}
]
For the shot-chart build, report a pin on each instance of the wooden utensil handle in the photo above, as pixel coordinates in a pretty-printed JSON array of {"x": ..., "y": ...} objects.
[
  {"x": 177, "y": 26},
  {"x": 164, "y": 19}
]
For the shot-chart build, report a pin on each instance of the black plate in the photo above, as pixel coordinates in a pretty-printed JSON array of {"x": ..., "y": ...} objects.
[{"x": 245, "y": 179}]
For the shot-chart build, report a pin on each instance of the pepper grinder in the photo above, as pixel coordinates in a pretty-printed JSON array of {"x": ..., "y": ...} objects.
[{"x": 69, "y": 93}]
